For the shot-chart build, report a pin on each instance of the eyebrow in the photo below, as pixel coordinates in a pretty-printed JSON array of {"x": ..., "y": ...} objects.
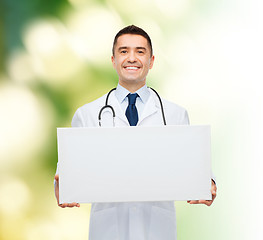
[{"x": 121, "y": 48}]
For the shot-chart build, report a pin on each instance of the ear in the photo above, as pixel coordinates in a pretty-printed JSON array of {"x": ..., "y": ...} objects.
[
  {"x": 151, "y": 61},
  {"x": 113, "y": 61}
]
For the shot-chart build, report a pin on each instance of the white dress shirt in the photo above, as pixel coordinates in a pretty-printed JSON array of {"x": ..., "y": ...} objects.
[{"x": 121, "y": 95}]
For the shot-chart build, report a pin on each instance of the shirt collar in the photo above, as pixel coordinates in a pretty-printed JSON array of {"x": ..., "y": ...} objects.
[{"x": 121, "y": 93}]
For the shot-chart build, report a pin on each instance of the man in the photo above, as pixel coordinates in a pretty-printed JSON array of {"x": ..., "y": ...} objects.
[{"x": 134, "y": 104}]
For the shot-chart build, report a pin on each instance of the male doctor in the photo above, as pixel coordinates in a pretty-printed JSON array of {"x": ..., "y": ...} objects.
[{"x": 134, "y": 105}]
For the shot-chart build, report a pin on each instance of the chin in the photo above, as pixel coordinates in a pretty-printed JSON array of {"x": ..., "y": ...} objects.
[{"x": 130, "y": 80}]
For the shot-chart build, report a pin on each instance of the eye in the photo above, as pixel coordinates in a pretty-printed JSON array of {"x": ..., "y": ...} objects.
[
  {"x": 140, "y": 51},
  {"x": 123, "y": 51}
]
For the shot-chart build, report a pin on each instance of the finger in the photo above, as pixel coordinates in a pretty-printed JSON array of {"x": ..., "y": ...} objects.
[
  {"x": 208, "y": 202},
  {"x": 213, "y": 193},
  {"x": 74, "y": 204},
  {"x": 56, "y": 177},
  {"x": 204, "y": 201},
  {"x": 63, "y": 205},
  {"x": 214, "y": 188},
  {"x": 213, "y": 197},
  {"x": 69, "y": 205}
]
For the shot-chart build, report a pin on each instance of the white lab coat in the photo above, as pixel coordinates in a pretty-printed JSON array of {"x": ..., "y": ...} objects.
[{"x": 136, "y": 220}]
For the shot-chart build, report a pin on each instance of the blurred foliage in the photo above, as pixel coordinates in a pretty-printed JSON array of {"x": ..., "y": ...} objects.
[
  {"x": 47, "y": 73},
  {"x": 55, "y": 57},
  {"x": 16, "y": 14}
]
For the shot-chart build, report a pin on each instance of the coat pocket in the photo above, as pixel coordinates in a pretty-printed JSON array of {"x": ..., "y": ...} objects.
[
  {"x": 162, "y": 224},
  {"x": 104, "y": 224}
]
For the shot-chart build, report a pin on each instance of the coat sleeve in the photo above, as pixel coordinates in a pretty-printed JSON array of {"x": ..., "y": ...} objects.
[
  {"x": 77, "y": 120},
  {"x": 185, "y": 119}
]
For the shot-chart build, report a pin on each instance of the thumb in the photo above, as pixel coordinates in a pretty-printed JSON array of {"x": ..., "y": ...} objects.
[{"x": 56, "y": 177}]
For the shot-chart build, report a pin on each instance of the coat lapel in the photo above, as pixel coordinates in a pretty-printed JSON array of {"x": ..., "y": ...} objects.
[
  {"x": 149, "y": 109},
  {"x": 118, "y": 110}
]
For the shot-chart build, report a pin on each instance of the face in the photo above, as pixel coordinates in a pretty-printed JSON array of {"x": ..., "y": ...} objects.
[{"x": 132, "y": 60}]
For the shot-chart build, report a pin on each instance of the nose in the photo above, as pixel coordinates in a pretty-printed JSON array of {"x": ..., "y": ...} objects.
[{"x": 131, "y": 57}]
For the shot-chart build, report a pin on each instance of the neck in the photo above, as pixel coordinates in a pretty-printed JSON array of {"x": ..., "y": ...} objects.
[{"x": 132, "y": 87}]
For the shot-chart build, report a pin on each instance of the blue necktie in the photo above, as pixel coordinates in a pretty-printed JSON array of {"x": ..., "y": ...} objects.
[{"x": 131, "y": 111}]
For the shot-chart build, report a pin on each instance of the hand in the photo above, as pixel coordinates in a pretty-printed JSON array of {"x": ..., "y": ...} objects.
[
  {"x": 63, "y": 205},
  {"x": 206, "y": 202}
]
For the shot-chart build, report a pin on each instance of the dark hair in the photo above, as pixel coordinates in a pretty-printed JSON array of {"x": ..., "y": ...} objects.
[{"x": 132, "y": 30}]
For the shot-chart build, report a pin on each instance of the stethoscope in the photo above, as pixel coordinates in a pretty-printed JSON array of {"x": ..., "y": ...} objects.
[{"x": 113, "y": 112}]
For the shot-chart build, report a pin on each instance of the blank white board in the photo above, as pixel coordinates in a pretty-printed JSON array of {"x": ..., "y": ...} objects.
[{"x": 134, "y": 164}]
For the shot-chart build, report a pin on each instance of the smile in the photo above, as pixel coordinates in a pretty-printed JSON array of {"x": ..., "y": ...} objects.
[{"x": 132, "y": 68}]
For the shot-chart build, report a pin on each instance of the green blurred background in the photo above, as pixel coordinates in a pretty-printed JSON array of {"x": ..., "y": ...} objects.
[{"x": 55, "y": 57}]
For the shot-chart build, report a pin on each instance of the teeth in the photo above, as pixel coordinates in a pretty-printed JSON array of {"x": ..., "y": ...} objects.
[{"x": 132, "y": 68}]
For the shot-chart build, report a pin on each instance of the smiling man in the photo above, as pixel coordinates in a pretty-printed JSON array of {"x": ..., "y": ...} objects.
[
  {"x": 132, "y": 58},
  {"x": 135, "y": 105}
]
